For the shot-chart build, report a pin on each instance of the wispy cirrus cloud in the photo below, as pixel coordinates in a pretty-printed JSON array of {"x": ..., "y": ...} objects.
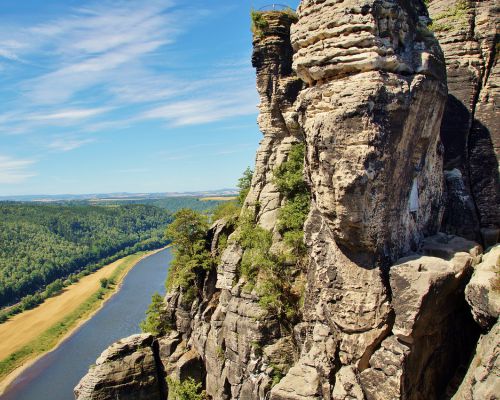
[
  {"x": 104, "y": 56},
  {"x": 87, "y": 47},
  {"x": 67, "y": 143},
  {"x": 108, "y": 66},
  {"x": 13, "y": 170},
  {"x": 204, "y": 110},
  {"x": 72, "y": 114}
]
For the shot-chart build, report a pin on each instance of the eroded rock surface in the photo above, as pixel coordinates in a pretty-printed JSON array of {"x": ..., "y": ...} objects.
[
  {"x": 128, "y": 369},
  {"x": 482, "y": 381},
  {"x": 483, "y": 291},
  {"x": 468, "y": 33},
  {"x": 238, "y": 345},
  {"x": 371, "y": 115},
  {"x": 432, "y": 332}
]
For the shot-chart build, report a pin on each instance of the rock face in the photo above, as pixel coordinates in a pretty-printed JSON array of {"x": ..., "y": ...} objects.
[
  {"x": 227, "y": 332},
  {"x": 482, "y": 380},
  {"x": 278, "y": 87},
  {"x": 128, "y": 369},
  {"x": 371, "y": 116},
  {"x": 374, "y": 106},
  {"x": 429, "y": 334},
  {"x": 387, "y": 303},
  {"x": 483, "y": 377},
  {"x": 467, "y": 32},
  {"x": 483, "y": 291}
]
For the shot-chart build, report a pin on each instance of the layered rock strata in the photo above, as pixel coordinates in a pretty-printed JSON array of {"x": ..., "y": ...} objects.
[
  {"x": 128, "y": 369},
  {"x": 468, "y": 33},
  {"x": 371, "y": 115}
]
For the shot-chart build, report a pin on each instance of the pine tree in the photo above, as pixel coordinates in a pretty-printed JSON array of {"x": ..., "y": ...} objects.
[{"x": 156, "y": 321}]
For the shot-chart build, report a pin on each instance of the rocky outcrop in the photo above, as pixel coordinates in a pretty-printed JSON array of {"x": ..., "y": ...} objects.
[
  {"x": 237, "y": 344},
  {"x": 468, "y": 33},
  {"x": 482, "y": 381},
  {"x": 278, "y": 87},
  {"x": 432, "y": 325},
  {"x": 128, "y": 369},
  {"x": 371, "y": 116},
  {"x": 483, "y": 291},
  {"x": 374, "y": 105}
]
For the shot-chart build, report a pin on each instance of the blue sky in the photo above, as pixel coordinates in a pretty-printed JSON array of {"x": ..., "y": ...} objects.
[{"x": 136, "y": 96}]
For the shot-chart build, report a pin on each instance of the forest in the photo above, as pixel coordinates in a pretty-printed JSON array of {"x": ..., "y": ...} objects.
[
  {"x": 44, "y": 247},
  {"x": 172, "y": 204}
]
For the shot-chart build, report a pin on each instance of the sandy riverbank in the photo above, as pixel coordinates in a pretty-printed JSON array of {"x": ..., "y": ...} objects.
[{"x": 28, "y": 327}]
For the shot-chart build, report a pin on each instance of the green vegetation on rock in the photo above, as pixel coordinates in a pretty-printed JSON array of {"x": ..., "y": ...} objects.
[
  {"x": 191, "y": 252},
  {"x": 289, "y": 178},
  {"x": 259, "y": 22},
  {"x": 188, "y": 389},
  {"x": 274, "y": 274},
  {"x": 156, "y": 321},
  {"x": 452, "y": 19},
  {"x": 188, "y": 234},
  {"x": 244, "y": 184}
]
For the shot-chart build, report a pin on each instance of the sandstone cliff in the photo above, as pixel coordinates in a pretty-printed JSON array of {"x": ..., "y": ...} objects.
[
  {"x": 468, "y": 33},
  {"x": 378, "y": 304}
]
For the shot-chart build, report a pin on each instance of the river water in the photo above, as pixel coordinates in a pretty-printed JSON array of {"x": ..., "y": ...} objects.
[{"x": 54, "y": 376}]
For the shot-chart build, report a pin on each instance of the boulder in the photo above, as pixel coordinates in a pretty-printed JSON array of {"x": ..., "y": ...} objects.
[
  {"x": 482, "y": 381},
  {"x": 483, "y": 291},
  {"x": 433, "y": 334},
  {"x": 128, "y": 369}
]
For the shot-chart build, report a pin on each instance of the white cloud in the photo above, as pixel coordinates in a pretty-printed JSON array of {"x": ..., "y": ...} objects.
[
  {"x": 92, "y": 45},
  {"x": 103, "y": 66},
  {"x": 8, "y": 54},
  {"x": 68, "y": 144},
  {"x": 14, "y": 170},
  {"x": 20, "y": 122},
  {"x": 200, "y": 111},
  {"x": 68, "y": 114}
]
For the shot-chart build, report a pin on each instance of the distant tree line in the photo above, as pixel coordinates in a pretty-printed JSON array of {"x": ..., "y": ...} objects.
[
  {"x": 172, "y": 204},
  {"x": 45, "y": 247}
]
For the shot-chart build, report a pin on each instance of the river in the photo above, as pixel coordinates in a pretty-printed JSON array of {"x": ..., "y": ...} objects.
[{"x": 54, "y": 376}]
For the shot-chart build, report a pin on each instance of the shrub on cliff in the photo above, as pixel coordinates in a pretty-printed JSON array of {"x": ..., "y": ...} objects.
[
  {"x": 156, "y": 321},
  {"x": 244, "y": 184},
  {"x": 289, "y": 178},
  {"x": 191, "y": 254},
  {"x": 269, "y": 273},
  {"x": 228, "y": 211},
  {"x": 188, "y": 389},
  {"x": 259, "y": 23},
  {"x": 273, "y": 274}
]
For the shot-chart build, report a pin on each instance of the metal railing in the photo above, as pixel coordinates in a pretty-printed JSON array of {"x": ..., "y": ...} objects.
[{"x": 276, "y": 7}]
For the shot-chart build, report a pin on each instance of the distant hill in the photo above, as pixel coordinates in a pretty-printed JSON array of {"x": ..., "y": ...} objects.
[
  {"x": 172, "y": 204},
  {"x": 119, "y": 196}
]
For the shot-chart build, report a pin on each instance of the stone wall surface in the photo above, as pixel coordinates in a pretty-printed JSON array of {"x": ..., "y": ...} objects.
[
  {"x": 125, "y": 370},
  {"x": 468, "y": 33}
]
